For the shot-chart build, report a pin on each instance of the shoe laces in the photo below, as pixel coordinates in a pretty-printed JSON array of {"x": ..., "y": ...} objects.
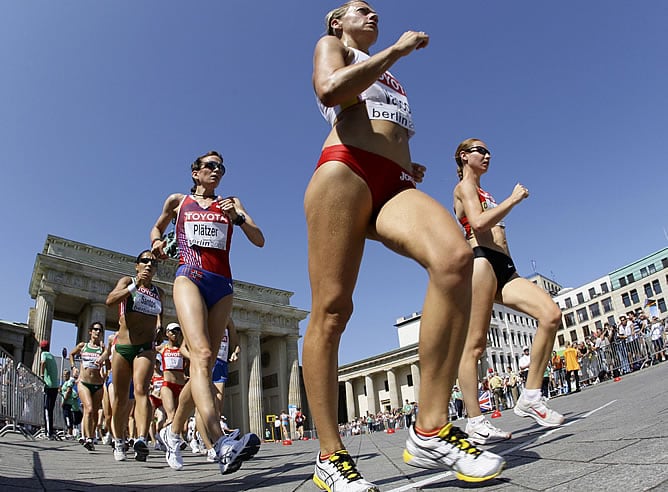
[
  {"x": 459, "y": 439},
  {"x": 345, "y": 465}
]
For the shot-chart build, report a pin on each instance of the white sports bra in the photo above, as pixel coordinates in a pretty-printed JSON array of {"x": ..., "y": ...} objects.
[{"x": 385, "y": 99}]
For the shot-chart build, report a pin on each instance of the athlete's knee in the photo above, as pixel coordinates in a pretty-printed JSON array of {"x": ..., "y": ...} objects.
[
  {"x": 331, "y": 317},
  {"x": 452, "y": 268},
  {"x": 551, "y": 318}
]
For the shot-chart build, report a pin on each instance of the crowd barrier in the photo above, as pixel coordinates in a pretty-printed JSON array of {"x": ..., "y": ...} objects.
[{"x": 22, "y": 400}]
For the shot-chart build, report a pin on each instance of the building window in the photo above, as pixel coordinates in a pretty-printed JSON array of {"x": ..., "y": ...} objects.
[
  {"x": 622, "y": 282},
  {"x": 661, "y": 303},
  {"x": 501, "y": 315},
  {"x": 634, "y": 296},
  {"x": 569, "y": 304},
  {"x": 232, "y": 379},
  {"x": 592, "y": 293},
  {"x": 604, "y": 288},
  {"x": 581, "y": 298},
  {"x": 561, "y": 340},
  {"x": 598, "y": 325},
  {"x": 648, "y": 290},
  {"x": 664, "y": 262},
  {"x": 574, "y": 336},
  {"x": 643, "y": 272},
  {"x": 611, "y": 321},
  {"x": 652, "y": 268},
  {"x": 582, "y": 315},
  {"x": 630, "y": 278},
  {"x": 657, "y": 286},
  {"x": 569, "y": 320},
  {"x": 585, "y": 330},
  {"x": 409, "y": 380},
  {"x": 607, "y": 304},
  {"x": 626, "y": 300},
  {"x": 594, "y": 310},
  {"x": 493, "y": 314},
  {"x": 270, "y": 381},
  {"x": 505, "y": 337},
  {"x": 387, "y": 385}
]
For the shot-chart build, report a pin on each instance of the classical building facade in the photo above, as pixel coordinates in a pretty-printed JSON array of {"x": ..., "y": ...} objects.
[
  {"x": 383, "y": 382},
  {"x": 638, "y": 286},
  {"x": 70, "y": 283}
]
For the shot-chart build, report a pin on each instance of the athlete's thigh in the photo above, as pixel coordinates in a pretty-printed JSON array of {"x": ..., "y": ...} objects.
[
  {"x": 219, "y": 315},
  {"x": 483, "y": 291},
  {"x": 414, "y": 224},
  {"x": 192, "y": 313},
  {"x": 525, "y": 296},
  {"x": 338, "y": 211},
  {"x": 121, "y": 374},
  {"x": 142, "y": 369}
]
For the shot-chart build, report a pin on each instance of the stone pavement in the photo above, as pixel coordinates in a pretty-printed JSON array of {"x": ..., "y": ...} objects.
[{"x": 615, "y": 438}]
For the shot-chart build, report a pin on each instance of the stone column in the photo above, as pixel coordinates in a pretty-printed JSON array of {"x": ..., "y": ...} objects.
[
  {"x": 395, "y": 401},
  {"x": 350, "y": 400},
  {"x": 282, "y": 373},
  {"x": 255, "y": 407},
  {"x": 370, "y": 395},
  {"x": 294, "y": 385},
  {"x": 415, "y": 372},
  {"x": 93, "y": 313},
  {"x": 244, "y": 376},
  {"x": 43, "y": 320}
]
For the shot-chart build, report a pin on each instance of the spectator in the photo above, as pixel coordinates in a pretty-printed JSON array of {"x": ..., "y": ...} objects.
[
  {"x": 558, "y": 371},
  {"x": 524, "y": 362},
  {"x": 407, "y": 411},
  {"x": 49, "y": 372},
  {"x": 572, "y": 366}
]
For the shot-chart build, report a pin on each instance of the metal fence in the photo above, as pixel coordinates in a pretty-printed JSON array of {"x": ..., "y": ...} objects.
[{"x": 22, "y": 400}]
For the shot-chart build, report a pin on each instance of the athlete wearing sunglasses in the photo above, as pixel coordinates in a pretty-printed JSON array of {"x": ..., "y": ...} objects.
[
  {"x": 203, "y": 290},
  {"x": 140, "y": 313},
  {"x": 495, "y": 279}
]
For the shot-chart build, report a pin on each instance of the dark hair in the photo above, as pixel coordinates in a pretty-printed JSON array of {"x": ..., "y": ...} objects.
[
  {"x": 197, "y": 165},
  {"x": 92, "y": 325},
  {"x": 139, "y": 256}
]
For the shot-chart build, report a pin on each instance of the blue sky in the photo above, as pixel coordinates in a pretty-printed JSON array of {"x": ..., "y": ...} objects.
[{"x": 105, "y": 104}]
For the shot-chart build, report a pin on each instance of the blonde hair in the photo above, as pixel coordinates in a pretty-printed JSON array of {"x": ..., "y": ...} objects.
[
  {"x": 336, "y": 14},
  {"x": 463, "y": 146}
]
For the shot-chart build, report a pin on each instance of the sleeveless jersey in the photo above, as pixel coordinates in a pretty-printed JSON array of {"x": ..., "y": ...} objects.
[
  {"x": 385, "y": 99},
  {"x": 224, "y": 349},
  {"x": 486, "y": 202},
  {"x": 146, "y": 301},
  {"x": 89, "y": 354},
  {"x": 204, "y": 236},
  {"x": 172, "y": 359}
]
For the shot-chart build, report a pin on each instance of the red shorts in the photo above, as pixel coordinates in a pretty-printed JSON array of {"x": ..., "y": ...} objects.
[
  {"x": 175, "y": 387},
  {"x": 155, "y": 401},
  {"x": 385, "y": 178}
]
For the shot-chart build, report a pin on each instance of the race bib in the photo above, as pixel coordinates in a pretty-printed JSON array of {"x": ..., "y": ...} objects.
[{"x": 206, "y": 234}]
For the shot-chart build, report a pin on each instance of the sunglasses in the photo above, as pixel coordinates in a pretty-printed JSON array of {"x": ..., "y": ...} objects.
[
  {"x": 213, "y": 165},
  {"x": 478, "y": 148},
  {"x": 148, "y": 261},
  {"x": 96, "y": 329}
]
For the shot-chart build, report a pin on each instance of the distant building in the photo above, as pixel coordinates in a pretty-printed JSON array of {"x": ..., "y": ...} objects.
[{"x": 628, "y": 288}]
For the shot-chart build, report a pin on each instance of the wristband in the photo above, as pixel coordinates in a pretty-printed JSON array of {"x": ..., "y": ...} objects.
[
  {"x": 240, "y": 220},
  {"x": 132, "y": 288}
]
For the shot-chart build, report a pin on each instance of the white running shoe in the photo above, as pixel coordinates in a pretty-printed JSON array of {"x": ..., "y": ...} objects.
[
  {"x": 485, "y": 432},
  {"x": 450, "y": 449},
  {"x": 211, "y": 455},
  {"x": 234, "y": 451},
  {"x": 194, "y": 446},
  {"x": 539, "y": 411},
  {"x": 106, "y": 440},
  {"x": 172, "y": 448},
  {"x": 119, "y": 452},
  {"x": 338, "y": 473}
]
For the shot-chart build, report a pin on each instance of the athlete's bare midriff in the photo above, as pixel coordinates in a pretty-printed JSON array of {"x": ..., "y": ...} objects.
[
  {"x": 495, "y": 239},
  {"x": 380, "y": 137}
]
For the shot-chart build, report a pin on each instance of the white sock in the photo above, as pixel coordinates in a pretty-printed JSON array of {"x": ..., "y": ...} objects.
[
  {"x": 532, "y": 394},
  {"x": 477, "y": 420}
]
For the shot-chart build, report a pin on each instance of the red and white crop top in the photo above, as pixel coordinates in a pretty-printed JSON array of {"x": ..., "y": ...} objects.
[
  {"x": 385, "y": 99},
  {"x": 486, "y": 202}
]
